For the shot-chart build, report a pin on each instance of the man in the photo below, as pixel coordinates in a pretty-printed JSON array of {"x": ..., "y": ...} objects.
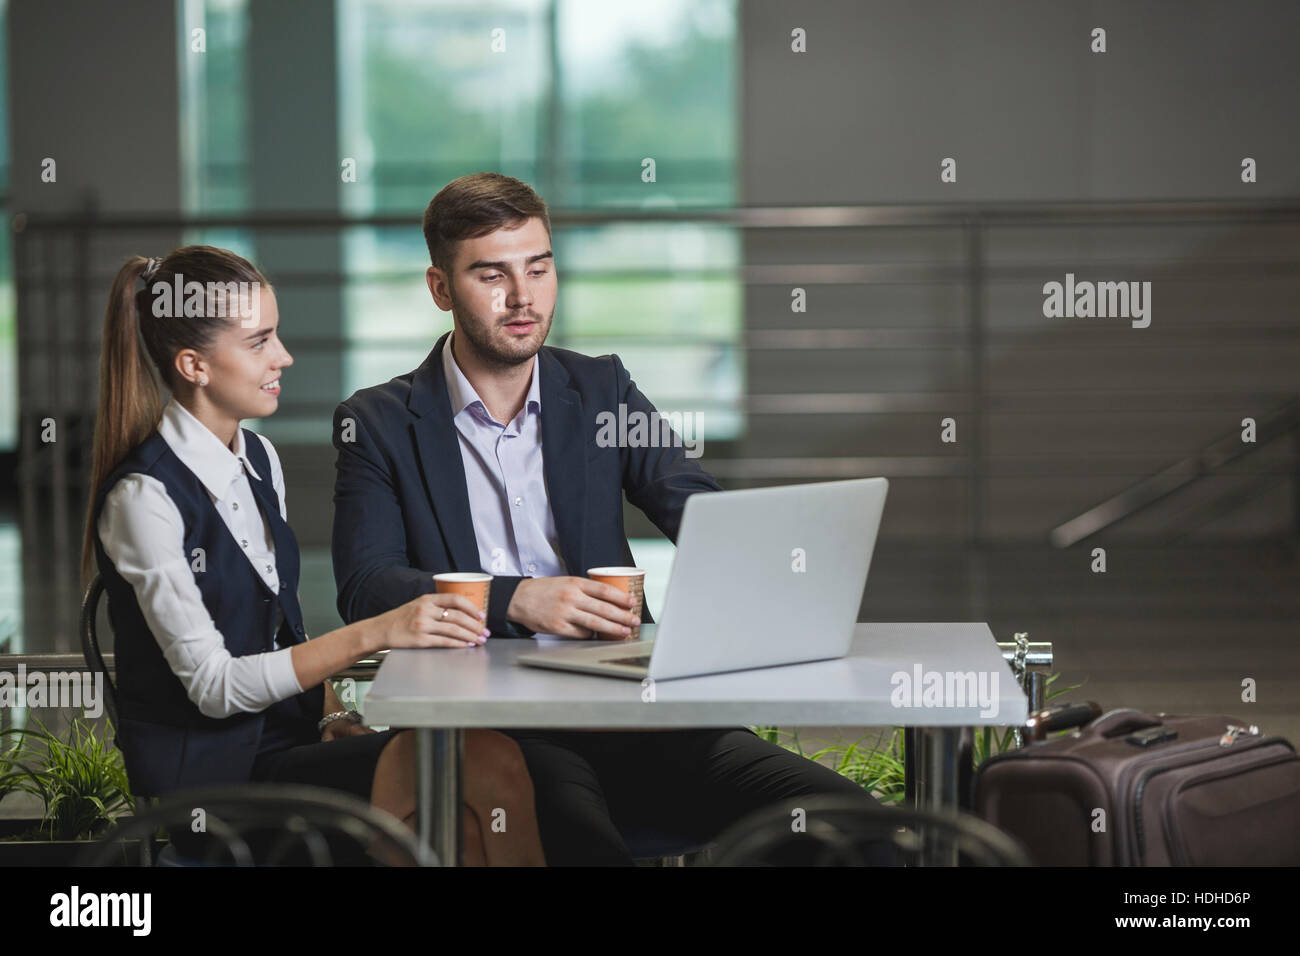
[{"x": 485, "y": 458}]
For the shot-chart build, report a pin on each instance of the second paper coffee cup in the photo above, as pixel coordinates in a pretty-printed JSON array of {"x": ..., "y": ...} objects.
[{"x": 630, "y": 581}]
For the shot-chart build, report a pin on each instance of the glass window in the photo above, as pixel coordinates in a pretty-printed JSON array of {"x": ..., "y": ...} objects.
[
  {"x": 571, "y": 96},
  {"x": 214, "y": 116},
  {"x": 8, "y": 327}
]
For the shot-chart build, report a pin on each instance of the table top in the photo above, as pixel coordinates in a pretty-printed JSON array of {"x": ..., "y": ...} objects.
[{"x": 916, "y": 675}]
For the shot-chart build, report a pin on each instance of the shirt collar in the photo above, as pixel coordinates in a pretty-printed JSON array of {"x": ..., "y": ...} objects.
[
  {"x": 462, "y": 393},
  {"x": 202, "y": 452}
]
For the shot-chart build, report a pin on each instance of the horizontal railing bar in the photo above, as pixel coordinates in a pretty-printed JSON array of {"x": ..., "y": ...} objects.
[
  {"x": 1003, "y": 402},
  {"x": 817, "y": 273},
  {"x": 920, "y": 466},
  {"x": 757, "y": 217},
  {"x": 935, "y": 466},
  {"x": 361, "y": 670},
  {"x": 810, "y": 340},
  {"x": 903, "y": 403},
  {"x": 921, "y": 274}
]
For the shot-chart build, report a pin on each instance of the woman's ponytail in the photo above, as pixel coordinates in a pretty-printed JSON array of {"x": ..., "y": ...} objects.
[
  {"x": 130, "y": 404},
  {"x": 140, "y": 339}
]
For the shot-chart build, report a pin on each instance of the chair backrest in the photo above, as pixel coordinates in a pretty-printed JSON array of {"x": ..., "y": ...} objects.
[
  {"x": 90, "y": 642},
  {"x": 833, "y": 831},
  {"x": 262, "y": 824}
]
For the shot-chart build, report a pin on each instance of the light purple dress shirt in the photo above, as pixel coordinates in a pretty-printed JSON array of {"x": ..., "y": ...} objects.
[{"x": 508, "y": 501}]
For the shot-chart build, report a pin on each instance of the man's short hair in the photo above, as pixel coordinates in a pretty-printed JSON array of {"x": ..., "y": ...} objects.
[{"x": 475, "y": 205}]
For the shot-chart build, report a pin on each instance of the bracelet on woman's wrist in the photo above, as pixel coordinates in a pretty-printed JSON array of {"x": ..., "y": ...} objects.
[{"x": 328, "y": 719}]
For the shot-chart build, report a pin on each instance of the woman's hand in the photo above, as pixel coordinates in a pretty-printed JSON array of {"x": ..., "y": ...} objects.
[
  {"x": 344, "y": 728},
  {"x": 433, "y": 620}
]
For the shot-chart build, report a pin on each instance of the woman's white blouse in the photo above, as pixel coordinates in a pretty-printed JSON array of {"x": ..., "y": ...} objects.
[{"x": 143, "y": 535}]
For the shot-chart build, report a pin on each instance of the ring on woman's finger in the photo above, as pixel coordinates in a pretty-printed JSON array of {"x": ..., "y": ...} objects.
[{"x": 444, "y": 614}]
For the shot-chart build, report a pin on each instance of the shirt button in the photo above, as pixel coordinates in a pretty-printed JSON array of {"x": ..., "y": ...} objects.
[
  {"x": 243, "y": 543},
  {"x": 532, "y": 567},
  {"x": 268, "y": 569},
  {"x": 234, "y": 505},
  {"x": 519, "y": 501}
]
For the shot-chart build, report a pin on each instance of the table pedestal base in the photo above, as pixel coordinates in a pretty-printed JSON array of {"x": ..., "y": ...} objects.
[{"x": 937, "y": 772}]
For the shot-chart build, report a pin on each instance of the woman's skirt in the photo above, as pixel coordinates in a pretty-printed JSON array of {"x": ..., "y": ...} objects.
[{"x": 291, "y": 751}]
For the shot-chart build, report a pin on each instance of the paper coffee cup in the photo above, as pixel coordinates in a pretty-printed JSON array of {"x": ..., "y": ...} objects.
[
  {"x": 628, "y": 580},
  {"x": 473, "y": 584}
]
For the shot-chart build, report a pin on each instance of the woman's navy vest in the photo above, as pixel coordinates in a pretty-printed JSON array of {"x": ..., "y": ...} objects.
[{"x": 166, "y": 742}]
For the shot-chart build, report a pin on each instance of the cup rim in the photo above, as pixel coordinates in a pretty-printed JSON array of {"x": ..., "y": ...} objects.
[
  {"x": 616, "y": 572},
  {"x": 463, "y": 577}
]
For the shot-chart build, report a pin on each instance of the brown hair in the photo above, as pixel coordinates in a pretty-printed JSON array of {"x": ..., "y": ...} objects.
[
  {"x": 475, "y": 205},
  {"x": 137, "y": 344}
]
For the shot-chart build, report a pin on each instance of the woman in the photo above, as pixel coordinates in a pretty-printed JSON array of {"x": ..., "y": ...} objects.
[{"x": 217, "y": 682}]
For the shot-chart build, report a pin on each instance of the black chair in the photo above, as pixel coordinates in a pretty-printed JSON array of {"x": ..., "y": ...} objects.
[
  {"x": 264, "y": 825},
  {"x": 94, "y": 656},
  {"x": 832, "y": 831},
  {"x": 90, "y": 643}
]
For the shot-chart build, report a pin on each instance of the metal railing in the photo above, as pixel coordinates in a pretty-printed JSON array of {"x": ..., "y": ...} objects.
[
  {"x": 60, "y": 290},
  {"x": 1282, "y": 422}
]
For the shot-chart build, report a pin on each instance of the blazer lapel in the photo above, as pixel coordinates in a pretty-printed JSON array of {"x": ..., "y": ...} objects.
[
  {"x": 439, "y": 451},
  {"x": 564, "y": 457}
]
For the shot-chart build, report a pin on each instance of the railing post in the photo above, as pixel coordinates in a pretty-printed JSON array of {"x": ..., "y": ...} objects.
[
  {"x": 1295, "y": 477},
  {"x": 975, "y": 344}
]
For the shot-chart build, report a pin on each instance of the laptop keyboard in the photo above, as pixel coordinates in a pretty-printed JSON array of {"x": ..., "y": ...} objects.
[{"x": 631, "y": 661}]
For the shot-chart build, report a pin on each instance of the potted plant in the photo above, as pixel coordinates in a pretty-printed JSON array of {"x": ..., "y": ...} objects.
[{"x": 82, "y": 786}]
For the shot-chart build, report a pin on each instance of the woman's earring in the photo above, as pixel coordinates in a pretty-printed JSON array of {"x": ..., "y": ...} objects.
[{"x": 203, "y": 381}]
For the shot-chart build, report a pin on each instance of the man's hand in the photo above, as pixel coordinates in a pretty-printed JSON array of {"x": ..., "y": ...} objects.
[{"x": 572, "y": 607}]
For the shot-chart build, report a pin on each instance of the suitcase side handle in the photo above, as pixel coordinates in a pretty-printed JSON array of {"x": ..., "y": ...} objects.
[{"x": 1061, "y": 717}]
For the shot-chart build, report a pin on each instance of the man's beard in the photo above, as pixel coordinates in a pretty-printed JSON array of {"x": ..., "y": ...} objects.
[{"x": 494, "y": 352}]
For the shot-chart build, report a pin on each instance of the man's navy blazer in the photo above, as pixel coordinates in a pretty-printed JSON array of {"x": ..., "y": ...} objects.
[{"x": 401, "y": 508}]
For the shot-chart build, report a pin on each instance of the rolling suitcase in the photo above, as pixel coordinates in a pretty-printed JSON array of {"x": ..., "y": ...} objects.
[{"x": 1135, "y": 789}]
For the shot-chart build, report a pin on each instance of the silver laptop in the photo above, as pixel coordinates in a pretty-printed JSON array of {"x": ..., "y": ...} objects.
[{"x": 761, "y": 577}]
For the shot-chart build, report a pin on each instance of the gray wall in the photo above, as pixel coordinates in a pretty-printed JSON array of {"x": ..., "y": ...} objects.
[
  {"x": 94, "y": 85},
  {"x": 1078, "y": 409},
  {"x": 1012, "y": 91}
]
